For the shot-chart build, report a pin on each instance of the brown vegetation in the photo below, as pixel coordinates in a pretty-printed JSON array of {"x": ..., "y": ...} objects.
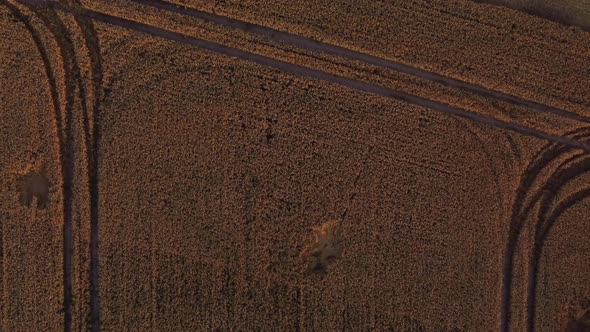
[
  {"x": 507, "y": 50},
  {"x": 31, "y": 251},
  {"x": 182, "y": 187}
]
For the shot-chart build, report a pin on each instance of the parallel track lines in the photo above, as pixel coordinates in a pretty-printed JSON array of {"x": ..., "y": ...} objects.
[
  {"x": 525, "y": 202},
  {"x": 314, "y": 45},
  {"x": 56, "y": 28},
  {"x": 545, "y": 222},
  {"x": 65, "y": 140},
  {"x": 317, "y": 74},
  {"x": 93, "y": 140}
]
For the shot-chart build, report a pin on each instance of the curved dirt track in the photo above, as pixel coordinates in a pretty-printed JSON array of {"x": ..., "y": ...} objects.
[
  {"x": 543, "y": 194},
  {"x": 68, "y": 152}
]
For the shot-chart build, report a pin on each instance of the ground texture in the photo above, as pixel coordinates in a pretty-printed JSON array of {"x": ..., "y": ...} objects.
[{"x": 252, "y": 165}]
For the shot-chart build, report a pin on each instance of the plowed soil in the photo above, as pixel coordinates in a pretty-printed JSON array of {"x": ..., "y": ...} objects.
[{"x": 266, "y": 166}]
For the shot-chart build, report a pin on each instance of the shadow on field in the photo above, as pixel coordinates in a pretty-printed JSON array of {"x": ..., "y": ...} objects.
[
  {"x": 579, "y": 321},
  {"x": 33, "y": 184},
  {"x": 568, "y": 12}
]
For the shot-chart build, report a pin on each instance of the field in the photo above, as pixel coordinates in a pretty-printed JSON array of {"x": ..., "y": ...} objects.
[{"x": 260, "y": 166}]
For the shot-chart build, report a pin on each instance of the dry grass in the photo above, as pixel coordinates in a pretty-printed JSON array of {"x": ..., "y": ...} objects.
[{"x": 440, "y": 46}]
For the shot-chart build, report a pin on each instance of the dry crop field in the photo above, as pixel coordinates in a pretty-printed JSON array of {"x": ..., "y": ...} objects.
[{"x": 263, "y": 166}]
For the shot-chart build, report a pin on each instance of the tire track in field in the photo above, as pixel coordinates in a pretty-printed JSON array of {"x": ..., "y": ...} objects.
[
  {"x": 93, "y": 47},
  {"x": 317, "y": 74},
  {"x": 488, "y": 155},
  {"x": 55, "y": 26},
  {"x": 545, "y": 222},
  {"x": 514, "y": 227},
  {"x": 73, "y": 79},
  {"x": 36, "y": 36},
  {"x": 65, "y": 171},
  {"x": 492, "y": 166},
  {"x": 524, "y": 204},
  {"x": 545, "y": 196},
  {"x": 91, "y": 142},
  {"x": 314, "y": 45}
]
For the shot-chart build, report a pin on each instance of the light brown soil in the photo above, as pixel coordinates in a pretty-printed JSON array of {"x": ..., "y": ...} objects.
[{"x": 149, "y": 181}]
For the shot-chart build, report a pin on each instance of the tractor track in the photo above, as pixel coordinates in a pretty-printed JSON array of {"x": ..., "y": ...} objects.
[
  {"x": 317, "y": 46},
  {"x": 544, "y": 196},
  {"x": 92, "y": 136},
  {"x": 318, "y": 74},
  {"x": 66, "y": 140},
  {"x": 547, "y": 218}
]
